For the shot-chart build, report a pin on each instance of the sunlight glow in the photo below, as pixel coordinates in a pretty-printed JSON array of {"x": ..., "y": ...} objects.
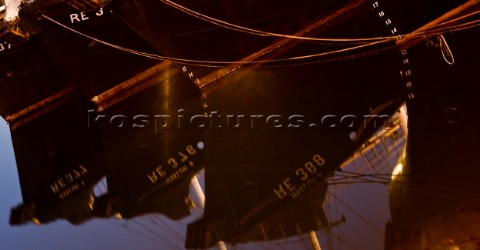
[{"x": 397, "y": 171}]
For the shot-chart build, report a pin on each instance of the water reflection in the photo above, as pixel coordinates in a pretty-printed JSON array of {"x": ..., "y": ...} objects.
[
  {"x": 252, "y": 193},
  {"x": 285, "y": 156},
  {"x": 58, "y": 165},
  {"x": 149, "y": 165}
]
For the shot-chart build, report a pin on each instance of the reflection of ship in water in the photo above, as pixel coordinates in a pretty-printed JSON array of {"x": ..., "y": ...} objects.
[
  {"x": 90, "y": 66},
  {"x": 434, "y": 198},
  {"x": 272, "y": 137},
  {"x": 249, "y": 179},
  {"x": 149, "y": 167},
  {"x": 75, "y": 146},
  {"x": 58, "y": 166}
]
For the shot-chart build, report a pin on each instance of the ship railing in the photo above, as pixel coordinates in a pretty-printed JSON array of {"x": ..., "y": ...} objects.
[{"x": 378, "y": 155}]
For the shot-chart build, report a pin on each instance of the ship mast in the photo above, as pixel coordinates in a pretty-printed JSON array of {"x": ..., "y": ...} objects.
[{"x": 198, "y": 192}]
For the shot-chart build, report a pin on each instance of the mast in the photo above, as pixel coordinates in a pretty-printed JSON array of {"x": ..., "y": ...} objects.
[
  {"x": 314, "y": 240},
  {"x": 198, "y": 192}
]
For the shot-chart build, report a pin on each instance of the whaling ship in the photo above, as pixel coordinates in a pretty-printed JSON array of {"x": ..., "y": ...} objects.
[{"x": 269, "y": 97}]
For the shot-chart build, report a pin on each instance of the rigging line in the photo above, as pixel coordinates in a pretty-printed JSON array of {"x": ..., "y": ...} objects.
[
  {"x": 438, "y": 29},
  {"x": 426, "y": 187},
  {"x": 197, "y": 214},
  {"x": 340, "y": 58},
  {"x": 418, "y": 177},
  {"x": 409, "y": 187},
  {"x": 173, "y": 231},
  {"x": 362, "y": 181},
  {"x": 153, "y": 56},
  {"x": 208, "y": 63},
  {"x": 104, "y": 184},
  {"x": 459, "y": 18},
  {"x": 367, "y": 175},
  {"x": 357, "y": 180},
  {"x": 386, "y": 174},
  {"x": 340, "y": 178},
  {"x": 409, "y": 40},
  {"x": 258, "y": 19},
  {"x": 353, "y": 174},
  {"x": 198, "y": 210},
  {"x": 167, "y": 227},
  {"x": 284, "y": 241},
  {"x": 137, "y": 232},
  {"x": 345, "y": 242},
  {"x": 460, "y": 27},
  {"x": 441, "y": 30},
  {"x": 157, "y": 235},
  {"x": 151, "y": 231},
  {"x": 378, "y": 109},
  {"x": 286, "y": 169},
  {"x": 333, "y": 212},
  {"x": 353, "y": 178},
  {"x": 335, "y": 205},
  {"x": 413, "y": 187},
  {"x": 231, "y": 26},
  {"x": 264, "y": 33},
  {"x": 418, "y": 190},
  {"x": 358, "y": 214},
  {"x": 152, "y": 218},
  {"x": 396, "y": 182}
]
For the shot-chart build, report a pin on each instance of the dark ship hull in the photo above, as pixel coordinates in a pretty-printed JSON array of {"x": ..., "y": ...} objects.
[
  {"x": 91, "y": 47},
  {"x": 58, "y": 165},
  {"x": 149, "y": 162},
  {"x": 92, "y": 67},
  {"x": 43, "y": 75},
  {"x": 43, "y": 63},
  {"x": 439, "y": 189}
]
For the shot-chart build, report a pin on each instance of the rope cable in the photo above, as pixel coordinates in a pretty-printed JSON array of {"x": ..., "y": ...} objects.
[
  {"x": 239, "y": 28},
  {"x": 379, "y": 231},
  {"x": 210, "y": 63}
]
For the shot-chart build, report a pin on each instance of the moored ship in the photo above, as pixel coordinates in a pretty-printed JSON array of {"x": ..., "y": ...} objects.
[{"x": 347, "y": 99}]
